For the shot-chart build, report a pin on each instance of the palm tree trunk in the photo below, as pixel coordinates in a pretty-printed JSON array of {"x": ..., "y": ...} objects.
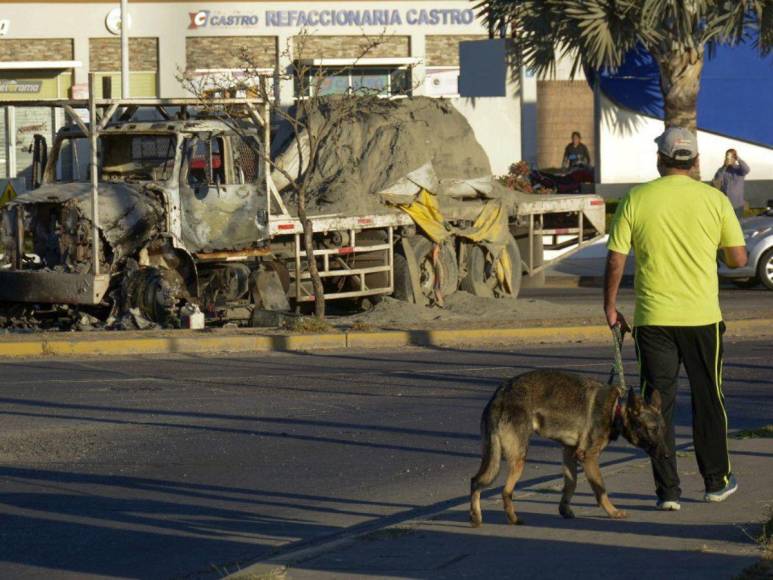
[{"x": 680, "y": 77}]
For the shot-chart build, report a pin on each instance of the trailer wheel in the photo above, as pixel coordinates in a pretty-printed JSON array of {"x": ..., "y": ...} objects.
[
  {"x": 481, "y": 279},
  {"x": 430, "y": 268}
]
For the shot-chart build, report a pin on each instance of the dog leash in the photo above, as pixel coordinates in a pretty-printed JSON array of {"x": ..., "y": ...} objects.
[{"x": 617, "y": 368}]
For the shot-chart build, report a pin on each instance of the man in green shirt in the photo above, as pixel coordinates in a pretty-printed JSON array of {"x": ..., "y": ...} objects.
[{"x": 675, "y": 225}]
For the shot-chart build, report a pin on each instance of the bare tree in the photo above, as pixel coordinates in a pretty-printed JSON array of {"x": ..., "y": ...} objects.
[{"x": 312, "y": 118}]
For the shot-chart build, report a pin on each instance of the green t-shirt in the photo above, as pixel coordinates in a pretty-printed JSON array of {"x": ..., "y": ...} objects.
[{"x": 675, "y": 226}]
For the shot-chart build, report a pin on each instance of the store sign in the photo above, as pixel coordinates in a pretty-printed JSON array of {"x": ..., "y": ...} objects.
[
  {"x": 332, "y": 17},
  {"x": 20, "y": 87},
  {"x": 209, "y": 18},
  {"x": 412, "y": 17}
]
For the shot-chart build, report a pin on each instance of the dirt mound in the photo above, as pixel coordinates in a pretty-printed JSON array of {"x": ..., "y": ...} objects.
[{"x": 369, "y": 144}]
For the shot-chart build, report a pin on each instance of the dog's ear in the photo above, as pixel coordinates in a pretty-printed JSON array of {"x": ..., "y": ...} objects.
[
  {"x": 656, "y": 401},
  {"x": 634, "y": 402}
]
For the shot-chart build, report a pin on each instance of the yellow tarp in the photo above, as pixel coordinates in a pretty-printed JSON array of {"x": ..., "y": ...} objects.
[{"x": 489, "y": 229}]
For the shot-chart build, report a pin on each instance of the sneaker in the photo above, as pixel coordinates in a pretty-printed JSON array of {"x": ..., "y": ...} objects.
[
  {"x": 724, "y": 493},
  {"x": 669, "y": 505}
]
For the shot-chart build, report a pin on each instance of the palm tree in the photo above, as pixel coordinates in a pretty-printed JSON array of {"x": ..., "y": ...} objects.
[{"x": 598, "y": 34}]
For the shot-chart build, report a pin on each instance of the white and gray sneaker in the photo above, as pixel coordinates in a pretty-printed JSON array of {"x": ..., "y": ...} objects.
[
  {"x": 668, "y": 505},
  {"x": 724, "y": 493}
]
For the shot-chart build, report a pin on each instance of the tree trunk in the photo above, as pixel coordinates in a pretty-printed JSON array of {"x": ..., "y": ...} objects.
[
  {"x": 308, "y": 246},
  {"x": 680, "y": 77}
]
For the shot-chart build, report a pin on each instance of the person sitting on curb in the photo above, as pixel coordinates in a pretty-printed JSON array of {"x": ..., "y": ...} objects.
[
  {"x": 730, "y": 178},
  {"x": 676, "y": 225}
]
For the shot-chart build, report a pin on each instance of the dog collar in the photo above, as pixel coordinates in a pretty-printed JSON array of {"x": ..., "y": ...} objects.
[{"x": 617, "y": 414}]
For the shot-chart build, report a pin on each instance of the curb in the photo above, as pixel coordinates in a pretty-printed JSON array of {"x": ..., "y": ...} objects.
[{"x": 240, "y": 343}]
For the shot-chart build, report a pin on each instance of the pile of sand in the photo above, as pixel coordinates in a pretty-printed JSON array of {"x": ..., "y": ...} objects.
[{"x": 368, "y": 144}]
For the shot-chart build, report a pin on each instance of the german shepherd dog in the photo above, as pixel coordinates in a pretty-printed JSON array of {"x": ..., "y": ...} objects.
[{"x": 581, "y": 413}]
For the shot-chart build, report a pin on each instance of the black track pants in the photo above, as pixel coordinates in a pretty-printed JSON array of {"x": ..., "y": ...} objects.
[{"x": 661, "y": 351}]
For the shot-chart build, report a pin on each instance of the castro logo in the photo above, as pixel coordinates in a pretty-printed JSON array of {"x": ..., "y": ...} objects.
[
  {"x": 204, "y": 18},
  {"x": 198, "y": 19}
]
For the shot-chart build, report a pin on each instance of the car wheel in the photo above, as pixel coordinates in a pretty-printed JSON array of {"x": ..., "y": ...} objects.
[{"x": 765, "y": 269}]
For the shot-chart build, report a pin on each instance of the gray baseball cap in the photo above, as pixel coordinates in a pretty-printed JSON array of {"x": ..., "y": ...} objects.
[{"x": 678, "y": 144}]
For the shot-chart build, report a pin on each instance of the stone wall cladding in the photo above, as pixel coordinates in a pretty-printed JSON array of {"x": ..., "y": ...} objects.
[
  {"x": 214, "y": 52},
  {"x": 105, "y": 54},
  {"x": 444, "y": 50},
  {"x": 22, "y": 49},
  {"x": 562, "y": 107},
  {"x": 352, "y": 47}
]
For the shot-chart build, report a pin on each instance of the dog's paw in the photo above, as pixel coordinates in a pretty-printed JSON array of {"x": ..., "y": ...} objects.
[
  {"x": 476, "y": 521},
  {"x": 618, "y": 515},
  {"x": 514, "y": 520},
  {"x": 580, "y": 454},
  {"x": 566, "y": 512}
]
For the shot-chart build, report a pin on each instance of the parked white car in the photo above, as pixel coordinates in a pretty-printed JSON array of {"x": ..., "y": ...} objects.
[{"x": 758, "y": 233}]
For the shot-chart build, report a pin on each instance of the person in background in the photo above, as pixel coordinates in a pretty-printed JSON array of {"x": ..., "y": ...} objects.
[
  {"x": 729, "y": 179},
  {"x": 576, "y": 153}
]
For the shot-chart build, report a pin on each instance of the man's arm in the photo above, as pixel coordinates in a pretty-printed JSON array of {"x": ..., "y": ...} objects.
[
  {"x": 565, "y": 161},
  {"x": 613, "y": 276},
  {"x": 743, "y": 167},
  {"x": 736, "y": 256},
  {"x": 717, "y": 181},
  {"x": 586, "y": 153}
]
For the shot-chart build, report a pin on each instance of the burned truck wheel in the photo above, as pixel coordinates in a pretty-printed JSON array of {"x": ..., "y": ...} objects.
[
  {"x": 481, "y": 279},
  {"x": 436, "y": 269},
  {"x": 156, "y": 293}
]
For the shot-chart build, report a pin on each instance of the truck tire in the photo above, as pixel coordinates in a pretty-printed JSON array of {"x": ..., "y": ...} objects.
[
  {"x": 481, "y": 279},
  {"x": 423, "y": 249},
  {"x": 765, "y": 269}
]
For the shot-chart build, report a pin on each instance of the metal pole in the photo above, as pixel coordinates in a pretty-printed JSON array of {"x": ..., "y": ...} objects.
[
  {"x": 94, "y": 176},
  {"x": 125, "y": 49},
  {"x": 10, "y": 142}
]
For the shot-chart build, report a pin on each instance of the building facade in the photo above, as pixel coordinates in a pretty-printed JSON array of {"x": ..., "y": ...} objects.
[
  {"x": 48, "y": 48},
  {"x": 394, "y": 46}
]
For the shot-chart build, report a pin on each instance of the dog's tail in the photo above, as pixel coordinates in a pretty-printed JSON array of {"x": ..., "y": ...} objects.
[{"x": 491, "y": 460}]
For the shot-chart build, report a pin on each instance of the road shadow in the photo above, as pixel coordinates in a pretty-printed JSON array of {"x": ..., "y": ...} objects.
[{"x": 421, "y": 553}]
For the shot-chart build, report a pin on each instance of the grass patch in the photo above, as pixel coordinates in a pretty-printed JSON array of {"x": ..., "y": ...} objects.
[
  {"x": 765, "y": 432},
  {"x": 360, "y": 326},
  {"x": 308, "y": 324},
  {"x": 764, "y": 568}
]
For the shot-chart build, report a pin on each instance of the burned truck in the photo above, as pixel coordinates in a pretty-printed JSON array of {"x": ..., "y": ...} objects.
[
  {"x": 185, "y": 215},
  {"x": 178, "y": 210}
]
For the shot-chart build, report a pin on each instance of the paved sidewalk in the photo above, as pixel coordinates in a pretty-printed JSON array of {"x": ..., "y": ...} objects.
[{"x": 702, "y": 541}]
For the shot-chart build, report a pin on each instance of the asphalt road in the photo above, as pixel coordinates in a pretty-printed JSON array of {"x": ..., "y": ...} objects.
[
  {"x": 735, "y": 301},
  {"x": 193, "y": 466}
]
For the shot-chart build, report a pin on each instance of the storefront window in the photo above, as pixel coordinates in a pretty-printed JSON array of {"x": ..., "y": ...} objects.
[{"x": 381, "y": 81}]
